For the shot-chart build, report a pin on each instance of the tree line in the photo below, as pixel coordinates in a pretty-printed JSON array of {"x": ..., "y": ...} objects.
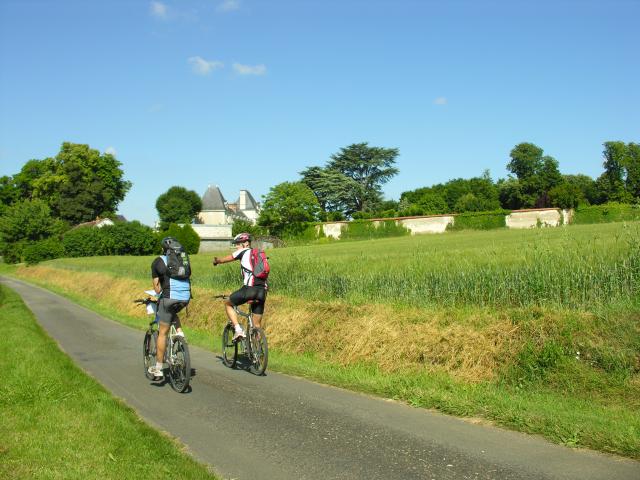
[
  {"x": 349, "y": 186},
  {"x": 43, "y": 207}
]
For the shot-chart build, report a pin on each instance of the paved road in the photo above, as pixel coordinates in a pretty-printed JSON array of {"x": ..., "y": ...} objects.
[{"x": 279, "y": 427}]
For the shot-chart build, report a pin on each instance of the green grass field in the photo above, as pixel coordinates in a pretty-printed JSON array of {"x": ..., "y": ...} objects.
[
  {"x": 57, "y": 422},
  {"x": 537, "y": 330},
  {"x": 577, "y": 267}
]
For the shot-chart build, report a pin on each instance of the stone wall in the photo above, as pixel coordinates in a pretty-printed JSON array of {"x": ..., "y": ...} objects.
[
  {"x": 544, "y": 217},
  {"x": 547, "y": 217},
  {"x": 213, "y": 237}
]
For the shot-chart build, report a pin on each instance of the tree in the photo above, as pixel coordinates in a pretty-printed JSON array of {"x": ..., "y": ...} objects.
[
  {"x": 78, "y": 185},
  {"x": 353, "y": 178},
  {"x": 9, "y": 193},
  {"x": 288, "y": 208},
  {"x": 536, "y": 174},
  {"x": 242, "y": 225},
  {"x": 586, "y": 185},
  {"x": 511, "y": 194},
  {"x": 632, "y": 167},
  {"x": 178, "y": 205},
  {"x": 331, "y": 188},
  {"x": 24, "y": 223},
  {"x": 370, "y": 168},
  {"x": 611, "y": 184},
  {"x": 567, "y": 195}
]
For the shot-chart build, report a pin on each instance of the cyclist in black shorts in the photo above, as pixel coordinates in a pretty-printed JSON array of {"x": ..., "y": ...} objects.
[{"x": 252, "y": 288}]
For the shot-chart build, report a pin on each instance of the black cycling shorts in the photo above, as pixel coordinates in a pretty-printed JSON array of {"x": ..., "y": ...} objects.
[
  {"x": 168, "y": 309},
  {"x": 246, "y": 293}
]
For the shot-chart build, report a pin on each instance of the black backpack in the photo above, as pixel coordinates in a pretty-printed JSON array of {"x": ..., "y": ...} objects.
[{"x": 177, "y": 259}]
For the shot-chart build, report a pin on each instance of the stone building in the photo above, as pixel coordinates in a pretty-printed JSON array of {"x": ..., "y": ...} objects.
[{"x": 214, "y": 223}]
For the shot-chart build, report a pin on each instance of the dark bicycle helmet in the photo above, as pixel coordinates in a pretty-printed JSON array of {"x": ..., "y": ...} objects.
[
  {"x": 241, "y": 238},
  {"x": 170, "y": 243}
]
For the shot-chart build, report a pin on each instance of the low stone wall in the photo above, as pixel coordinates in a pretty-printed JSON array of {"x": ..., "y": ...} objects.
[
  {"x": 544, "y": 217},
  {"x": 213, "y": 237},
  {"x": 419, "y": 225},
  {"x": 547, "y": 217}
]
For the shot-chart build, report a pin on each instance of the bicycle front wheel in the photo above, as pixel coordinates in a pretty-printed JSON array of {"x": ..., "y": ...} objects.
[
  {"x": 259, "y": 351},
  {"x": 229, "y": 347},
  {"x": 149, "y": 352},
  {"x": 180, "y": 365}
]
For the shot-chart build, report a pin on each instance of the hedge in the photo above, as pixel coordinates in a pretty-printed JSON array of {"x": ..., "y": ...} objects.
[
  {"x": 479, "y": 220},
  {"x": 608, "y": 212},
  {"x": 366, "y": 229}
]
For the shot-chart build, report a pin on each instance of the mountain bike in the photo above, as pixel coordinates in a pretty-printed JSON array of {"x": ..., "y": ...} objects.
[
  {"x": 176, "y": 354},
  {"x": 253, "y": 347}
]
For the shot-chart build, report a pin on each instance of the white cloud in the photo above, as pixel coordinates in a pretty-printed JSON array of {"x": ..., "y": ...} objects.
[
  {"x": 111, "y": 151},
  {"x": 159, "y": 9},
  {"x": 440, "y": 101},
  {"x": 204, "y": 67},
  {"x": 249, "y": 69},
  {"x": 229, "y": 5}
]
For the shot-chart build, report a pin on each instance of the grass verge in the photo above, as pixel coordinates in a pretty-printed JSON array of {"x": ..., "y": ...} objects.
[{"x": 57, "y": 422}]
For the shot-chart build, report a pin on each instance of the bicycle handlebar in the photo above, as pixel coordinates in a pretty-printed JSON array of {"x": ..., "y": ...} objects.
[
  {"x": 143, "y": 301},
  {"x": 221, "y": 296}
]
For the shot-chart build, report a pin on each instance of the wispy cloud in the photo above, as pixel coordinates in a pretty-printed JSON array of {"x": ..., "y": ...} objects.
[
  {"x": 204, "y": 67},
  {"x": 440, "y": 101},
  {"x": 159, "y": 10},
  {"x": 249, "y": 69},
  {"x": 111, "y": 151},
  {"x": 229, "y": 5}
]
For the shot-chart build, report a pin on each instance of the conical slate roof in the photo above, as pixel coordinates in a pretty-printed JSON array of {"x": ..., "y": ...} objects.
[{"x": 213, "y": 199}]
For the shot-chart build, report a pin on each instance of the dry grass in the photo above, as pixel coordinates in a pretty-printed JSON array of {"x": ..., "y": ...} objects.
[{"x": 394, "y": 338}]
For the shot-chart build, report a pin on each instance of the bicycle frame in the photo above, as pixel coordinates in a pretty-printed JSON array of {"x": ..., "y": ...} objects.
[
  {"x": 257, "y": 354},
  {"x": 176, "y": 353}
]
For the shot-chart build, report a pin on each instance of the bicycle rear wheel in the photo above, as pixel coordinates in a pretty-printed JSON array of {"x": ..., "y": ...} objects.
[
  {"x": 149, "y": 352},
  {"x": 229, "y": 347},
  {"x": 180, "y": 365},
  {"x": 259, "y": 351}
]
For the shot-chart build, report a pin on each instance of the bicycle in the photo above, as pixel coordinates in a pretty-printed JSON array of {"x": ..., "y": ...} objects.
[
  {"x": 253, "y": 346},
  {"x": 176, "y": 354}
]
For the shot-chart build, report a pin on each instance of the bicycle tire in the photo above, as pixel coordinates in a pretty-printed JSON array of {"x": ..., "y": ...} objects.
[
  {"x": 180, "y": 366},
  {"x": 149, "y": 352},
  {"x": 259, "y": 355},
  {"x": 229, "y": 347}
]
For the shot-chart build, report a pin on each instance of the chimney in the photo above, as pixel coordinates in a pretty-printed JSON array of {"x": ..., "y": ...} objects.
[{"x": 243, "y": 200}]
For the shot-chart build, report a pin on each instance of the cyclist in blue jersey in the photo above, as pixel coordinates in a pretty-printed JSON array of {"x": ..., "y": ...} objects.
[{"x": 174, "y": 296}]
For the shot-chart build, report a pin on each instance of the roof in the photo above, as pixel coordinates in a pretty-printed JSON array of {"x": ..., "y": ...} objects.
[
  {"x": 251, "y": 202},
  {"x": 213, "y": 199}
]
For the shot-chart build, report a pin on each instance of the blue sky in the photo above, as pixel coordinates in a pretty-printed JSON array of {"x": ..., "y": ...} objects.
[{"x": 247, "y": 93}]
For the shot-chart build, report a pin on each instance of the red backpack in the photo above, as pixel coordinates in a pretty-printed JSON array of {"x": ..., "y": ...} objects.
[{"x": 259, "y": 264}]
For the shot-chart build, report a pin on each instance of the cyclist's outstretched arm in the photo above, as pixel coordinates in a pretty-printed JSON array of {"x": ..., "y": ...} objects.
[{"x": 218, "y": 261}]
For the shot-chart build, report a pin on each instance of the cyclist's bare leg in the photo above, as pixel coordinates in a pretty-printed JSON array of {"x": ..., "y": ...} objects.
[
  {"x": 163, "y": 329},
  {"x": 257, "y": 319},
  {"x": 231, "y": 313}
]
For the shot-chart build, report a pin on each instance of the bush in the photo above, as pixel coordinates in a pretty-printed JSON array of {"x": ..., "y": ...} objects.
[
  {"x": 362, "y": 229},
  {"x": 240, "y": 226},
  {"x": 43, "y": 250},
  {"x": 609, "y": 212},
  {"x": 479, "y": 220},
  {"x": 87, "y": 242},
  {"x": 131, "y": 238},
  {"x": 185, "y": 234},
  {"x": 14, "y": 252}
]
